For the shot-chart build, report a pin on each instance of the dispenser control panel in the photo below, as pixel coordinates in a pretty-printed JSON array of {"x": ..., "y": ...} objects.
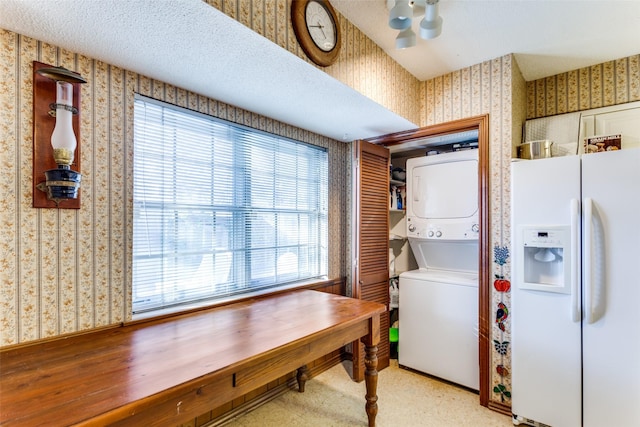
[{"x": 544, "y": 238}]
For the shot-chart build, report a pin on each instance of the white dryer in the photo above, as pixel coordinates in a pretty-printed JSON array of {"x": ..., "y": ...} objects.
[{"x": 438, "y": 306}]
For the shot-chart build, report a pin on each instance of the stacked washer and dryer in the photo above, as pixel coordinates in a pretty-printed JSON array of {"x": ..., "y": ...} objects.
[{"x": 438, "y": 306}]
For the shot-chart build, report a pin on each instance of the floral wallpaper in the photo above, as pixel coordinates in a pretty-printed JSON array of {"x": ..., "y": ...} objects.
[{"x": 601, "y": 85}]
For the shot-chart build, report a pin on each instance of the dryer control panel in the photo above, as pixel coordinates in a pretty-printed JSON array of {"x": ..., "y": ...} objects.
[{"x": 467, "y": 229}]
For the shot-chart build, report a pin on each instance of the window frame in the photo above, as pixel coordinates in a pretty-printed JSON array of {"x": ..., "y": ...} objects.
[{"x": 240, "y": 136}]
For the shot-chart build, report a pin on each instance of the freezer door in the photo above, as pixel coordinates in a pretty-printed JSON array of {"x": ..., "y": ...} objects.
[
  {"x": 611, "y": 280},
  {"x": 545, "y": 344}
]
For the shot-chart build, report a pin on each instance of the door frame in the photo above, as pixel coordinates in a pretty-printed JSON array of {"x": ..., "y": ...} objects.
[{"x": 481, "y": 124}]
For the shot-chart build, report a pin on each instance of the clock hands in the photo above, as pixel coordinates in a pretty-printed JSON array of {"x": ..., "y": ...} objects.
[{"x": 321, "y": 29}]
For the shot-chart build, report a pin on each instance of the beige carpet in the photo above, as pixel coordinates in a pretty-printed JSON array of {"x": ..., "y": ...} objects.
[{"x": 405, "y": 399}]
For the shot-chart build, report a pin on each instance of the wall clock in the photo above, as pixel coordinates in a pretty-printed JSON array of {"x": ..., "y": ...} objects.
[{"x": 315, "y": 24}]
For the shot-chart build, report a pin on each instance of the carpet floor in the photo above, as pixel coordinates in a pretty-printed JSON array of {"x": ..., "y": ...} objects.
[{"x": 405, "y": 399}]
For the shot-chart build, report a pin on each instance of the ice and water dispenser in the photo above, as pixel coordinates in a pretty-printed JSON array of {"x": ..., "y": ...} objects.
[{"x": 545, "y": 258}]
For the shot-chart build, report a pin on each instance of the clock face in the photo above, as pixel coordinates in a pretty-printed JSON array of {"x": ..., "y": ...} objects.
[
  {"x": 315, "y": 25},
  {"x": 321, "y": 26}
]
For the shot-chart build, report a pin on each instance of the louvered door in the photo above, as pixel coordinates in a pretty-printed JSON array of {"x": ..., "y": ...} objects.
[{"x": 371, "y": 275}]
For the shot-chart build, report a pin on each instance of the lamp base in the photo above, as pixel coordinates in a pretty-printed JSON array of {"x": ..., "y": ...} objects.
[{"x": 62, "y": 184}]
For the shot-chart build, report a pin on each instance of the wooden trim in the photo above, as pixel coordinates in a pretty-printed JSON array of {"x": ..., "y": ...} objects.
[
  {"x": 455, "y": 126},
  {"x": 481, "y": 123},
  {"x": 500, "y": 407},
  {"x": 59, "y": 337},
  {"x": 319, "y": 286},
  {"x": 357, "y": 224},
  {"x": 484, "y": 286}
]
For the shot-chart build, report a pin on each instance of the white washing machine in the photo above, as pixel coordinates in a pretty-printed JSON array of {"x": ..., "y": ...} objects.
[
  {"x": 438, "y": 306},
  {"x": 438, "y": 318}
]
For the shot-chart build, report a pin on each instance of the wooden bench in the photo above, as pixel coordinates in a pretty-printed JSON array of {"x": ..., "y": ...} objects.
[{"x": 167, "y": 371}]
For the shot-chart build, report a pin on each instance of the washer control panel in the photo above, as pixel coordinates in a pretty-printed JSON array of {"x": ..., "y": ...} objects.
[{"x": 468, "y": 229}]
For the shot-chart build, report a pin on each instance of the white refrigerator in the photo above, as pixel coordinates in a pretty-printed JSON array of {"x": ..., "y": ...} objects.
[{"x": 576, "y": 290}]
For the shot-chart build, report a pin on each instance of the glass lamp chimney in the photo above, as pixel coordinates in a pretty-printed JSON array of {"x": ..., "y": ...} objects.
[{"x": 63, "y": 139}]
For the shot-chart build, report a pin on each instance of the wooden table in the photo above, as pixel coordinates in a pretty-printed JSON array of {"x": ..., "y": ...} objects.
[{"x": 168, "y": 371}]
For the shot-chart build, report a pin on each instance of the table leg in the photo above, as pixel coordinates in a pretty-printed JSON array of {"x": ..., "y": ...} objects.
[
  {"x": 302, "y": 376},
  {"x": 371, "y": 382}
]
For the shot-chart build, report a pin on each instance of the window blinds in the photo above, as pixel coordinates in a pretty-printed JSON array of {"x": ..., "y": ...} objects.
[{"x": 221, "y": 209}]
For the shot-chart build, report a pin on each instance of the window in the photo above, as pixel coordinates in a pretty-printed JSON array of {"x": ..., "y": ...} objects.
[{"x": 221, "y": 209}]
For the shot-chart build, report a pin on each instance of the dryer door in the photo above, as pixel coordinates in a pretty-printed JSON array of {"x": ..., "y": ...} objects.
[{"x": 445, "y": 189}]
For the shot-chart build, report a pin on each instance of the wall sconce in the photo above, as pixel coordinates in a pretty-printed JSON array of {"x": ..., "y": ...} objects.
[{"x": 55, "y": 147}]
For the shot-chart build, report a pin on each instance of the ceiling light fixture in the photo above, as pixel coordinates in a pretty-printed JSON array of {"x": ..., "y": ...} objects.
[
  {"x": 431, "y": 24},
  {"x": 406, "y": 38},
  {"x": 401, "y": 14}
]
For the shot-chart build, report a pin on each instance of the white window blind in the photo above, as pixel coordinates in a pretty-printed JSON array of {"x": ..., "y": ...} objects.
[{"x": 221, "y": 209}]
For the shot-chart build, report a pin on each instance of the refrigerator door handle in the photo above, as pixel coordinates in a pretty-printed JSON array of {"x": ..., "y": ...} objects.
[
  {"x": 588, "y": 290},
  {"x": 575, "y": 260},
  {"x": 594, "y": 262}
]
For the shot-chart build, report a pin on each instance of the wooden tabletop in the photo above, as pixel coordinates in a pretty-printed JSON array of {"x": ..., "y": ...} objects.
[{"x": 116, "y": 371}]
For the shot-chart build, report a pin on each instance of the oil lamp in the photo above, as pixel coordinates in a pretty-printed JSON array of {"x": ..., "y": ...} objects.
[{"x": 62, "y": 182}]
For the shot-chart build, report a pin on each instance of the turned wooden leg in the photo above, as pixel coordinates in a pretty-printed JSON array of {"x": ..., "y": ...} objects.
[
  {"x": 371, "y": 382},
  {"x": 302, "y": 376}
]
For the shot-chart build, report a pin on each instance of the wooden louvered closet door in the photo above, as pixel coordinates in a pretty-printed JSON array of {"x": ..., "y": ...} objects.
[{"x": 371, "y": 276}]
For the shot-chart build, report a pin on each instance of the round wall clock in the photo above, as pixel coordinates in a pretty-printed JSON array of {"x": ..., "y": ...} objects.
[{"x": 315, "y": 24}]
